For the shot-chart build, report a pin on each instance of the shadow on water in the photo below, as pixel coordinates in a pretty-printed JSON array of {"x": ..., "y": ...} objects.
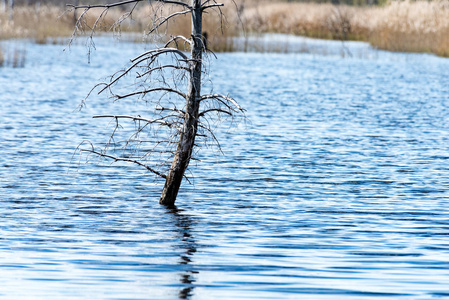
[{"x": 188, "y": 245}]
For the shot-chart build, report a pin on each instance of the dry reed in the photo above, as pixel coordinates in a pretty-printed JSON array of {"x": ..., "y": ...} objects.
[
  {"x": 408, "y": 26},
  {"x": 221, "y": 25},
  {"x": 419, "y": 26},
  {"x": 308, "y": 19},
  {"x": 49, "y": 23},
  {"x": 2, "y": 58},
  {"x": 39, "y": 24},
  {"x": 411, "y": 26}
]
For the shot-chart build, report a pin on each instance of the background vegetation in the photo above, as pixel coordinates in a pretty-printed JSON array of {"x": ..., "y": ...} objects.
[{"x": 410, "y": 26}]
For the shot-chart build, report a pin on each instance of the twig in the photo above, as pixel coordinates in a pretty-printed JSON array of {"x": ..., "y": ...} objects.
[
  {"x": 127, "y": 160},
  {"x": 150, "y": 121}
]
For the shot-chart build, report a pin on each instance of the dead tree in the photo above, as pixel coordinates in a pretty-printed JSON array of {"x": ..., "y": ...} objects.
[
  {"x": 11, "y": 9},
  {"x": 182, "y": 115}
]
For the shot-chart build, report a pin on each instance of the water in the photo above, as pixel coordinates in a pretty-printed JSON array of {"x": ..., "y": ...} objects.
[{"x": 335, "y": 187}]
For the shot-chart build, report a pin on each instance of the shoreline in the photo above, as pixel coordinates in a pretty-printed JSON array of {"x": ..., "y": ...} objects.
[{"x": 412, "y": 27}]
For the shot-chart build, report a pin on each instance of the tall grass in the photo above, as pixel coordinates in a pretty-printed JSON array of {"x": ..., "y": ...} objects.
[
  {"x": 39, "y": 24},
  {"x": 221, "y": 25},
  {"x": 411, "y": 26},
  {"x": 49, "y": 23},
  {"x": 308, "y": 19},
  {"x": 419, "y": 26}
]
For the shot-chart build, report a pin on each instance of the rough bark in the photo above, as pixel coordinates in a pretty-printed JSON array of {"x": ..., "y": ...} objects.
[{"x": 190, "y": 126}]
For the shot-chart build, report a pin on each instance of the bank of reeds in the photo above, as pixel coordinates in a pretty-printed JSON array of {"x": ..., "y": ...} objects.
[
  {"x": 409, "y": 26},
  {"x": 419, "y": 26},
  {"x": 51, "y": 24},
  {"x": 48, "y": 23},
  {"x": 38, "y": 24},
  {"x": 221, "y": 26}
]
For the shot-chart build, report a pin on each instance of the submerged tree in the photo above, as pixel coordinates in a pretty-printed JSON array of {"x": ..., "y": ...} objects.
[{"x": 163, "y": 142}]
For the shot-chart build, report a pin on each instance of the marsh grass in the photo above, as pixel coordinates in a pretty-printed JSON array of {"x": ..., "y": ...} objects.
[
  {"x": 221, "y": 26},
  {"x": 2, "y": 58},
  {"x": 38, "y": 24},
  {"x": 14, "y": 57},
  {"x": 55, "y": 24},
  {"x": 419, "y": 26},
  {"x": 319, "y": 20},
  {"x": 409, "y": 26},
  {"x": 50, "y": 24}
]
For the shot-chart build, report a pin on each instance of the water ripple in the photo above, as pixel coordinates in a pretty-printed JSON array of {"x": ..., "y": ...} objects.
[{"x": 335, "y": 187}]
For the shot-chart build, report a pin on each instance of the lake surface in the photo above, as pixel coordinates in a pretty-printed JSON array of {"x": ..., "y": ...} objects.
[{"x": 335, "y": 187}]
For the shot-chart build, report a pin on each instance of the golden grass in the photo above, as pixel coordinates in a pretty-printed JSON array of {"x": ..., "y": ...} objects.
[
  {"x": 411, "y": 26},
  {"x": 219, "y": 26},
  {"x": 50, "y": 24},
  {"x": 308, "y": 19},
  {"x": 47, "y": 22},
  {"x": 419, "y": 26}
]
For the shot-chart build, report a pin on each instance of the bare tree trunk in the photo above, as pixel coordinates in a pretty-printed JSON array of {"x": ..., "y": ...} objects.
[
  {"x": 185, "y": 123},
  {"x": 190, "y": 126},
  {"x": 11, "y": 9}
]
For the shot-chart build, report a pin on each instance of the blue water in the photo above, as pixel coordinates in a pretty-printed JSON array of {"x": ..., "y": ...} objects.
[{"x": 334, "y": 187}]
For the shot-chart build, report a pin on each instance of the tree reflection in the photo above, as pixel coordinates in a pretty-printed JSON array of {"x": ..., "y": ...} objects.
[{"x": 188, "y": 244}]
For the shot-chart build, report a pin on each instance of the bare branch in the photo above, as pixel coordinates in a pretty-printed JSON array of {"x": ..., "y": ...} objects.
[
  {"x": 178, "y": 37},
  {"x": 97, "y": 21},
  {"x": 207, "y": 1},
  {"x": 171, "y": 109},
  {"x": 126, "y": 160},
  {"x": 212, "y": 5},
  {"x": 108, "y": 85},
  {"x": 128, "y": 2},
  {"x": 212, "y": 134},
  {"x": 167, "y": 18},
  {"x": 103, "y": 5},
  {"x": 174, "y": 76},
  {"x": 78, "y": 26},
  {"x": 149, "y": 71},
  {"x": 223, "y": 99},
  {"x": 151, "y": 55},
  {"x": 149, "y": 121},
  {"x": 164, "y": 89},
  {"x": 216, "y": 110},
  {"x": 157, "y": 52},
  {"x": 125, "y": 16}
]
